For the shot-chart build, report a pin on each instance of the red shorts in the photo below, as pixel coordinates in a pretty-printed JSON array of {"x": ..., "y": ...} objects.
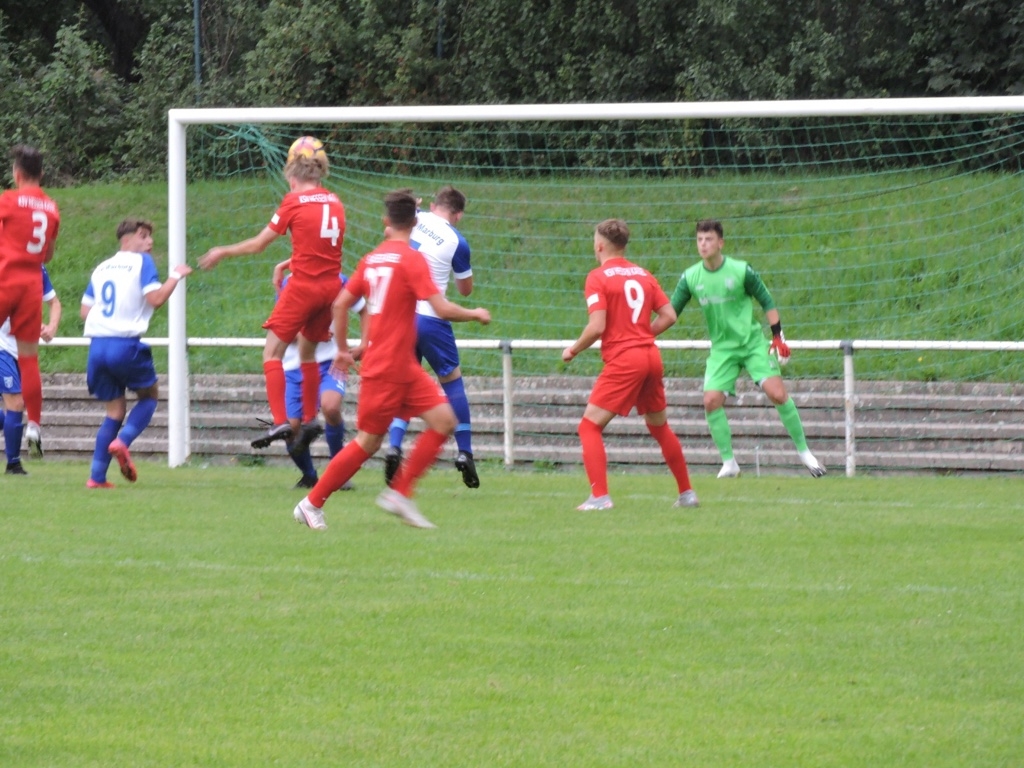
[
  {"x": 23, "y": 303},
  {"x": 633, "y": 378},
  {"x": 381, "y": 400},
  {"x": 304, "y": 307}
]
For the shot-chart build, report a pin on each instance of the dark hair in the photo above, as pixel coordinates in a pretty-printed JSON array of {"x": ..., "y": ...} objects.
[
  {"x": 131, "y": 226},
  {"x": 28, "y": 160},
  {"x": 710, "y": 225},
  {"x": 615, "y": 231},
  {"x": 400, "y": 207},
  {"x": 449, "y": 197}
]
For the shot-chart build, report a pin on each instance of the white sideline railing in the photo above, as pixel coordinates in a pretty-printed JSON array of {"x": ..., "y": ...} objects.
[{"x": 179, "y": 424}]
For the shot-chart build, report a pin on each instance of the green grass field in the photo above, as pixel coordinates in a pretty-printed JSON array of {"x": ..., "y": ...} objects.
[{"x": 188, "y": 621}]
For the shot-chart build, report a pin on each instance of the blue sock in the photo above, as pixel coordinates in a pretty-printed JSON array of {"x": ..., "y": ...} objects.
[
  {"x": 456, "y": 393},
  {"x": 105, "y": 435},
  {"x": 335, "y": 436},
  {"x": 397, "y": 432},
  {"x": 138, "y": 419},
  {"x": 304, "y": 461},
  {"x": 13, "y": 428}
]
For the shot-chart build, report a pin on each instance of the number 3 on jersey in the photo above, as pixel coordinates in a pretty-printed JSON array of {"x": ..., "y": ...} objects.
[
  {"x": 634, "y": 297},
  {"x": 379, "y": 279},
  {"x": 329, "y": 229}
]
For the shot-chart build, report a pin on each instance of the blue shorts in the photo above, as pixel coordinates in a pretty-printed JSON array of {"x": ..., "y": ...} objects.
[
  {"x": 293, "y": 388},
  {"x": 10, "y": 376},
  {"x": 116, "y": 364},
  {"x": 435, "y": 341}
]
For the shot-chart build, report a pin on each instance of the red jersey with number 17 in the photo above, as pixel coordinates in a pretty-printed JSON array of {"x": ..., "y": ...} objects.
[
  {"x": 629, "y": 295},
  {"x": 29, "y": 221},
  {"x": 316, "y": 219},
  {"x": 392, "y": 278}
]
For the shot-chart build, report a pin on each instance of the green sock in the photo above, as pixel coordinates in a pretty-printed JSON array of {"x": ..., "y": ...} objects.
[
  {"x": 791, "y": 421},
  {"x": 720, "y": 432}
]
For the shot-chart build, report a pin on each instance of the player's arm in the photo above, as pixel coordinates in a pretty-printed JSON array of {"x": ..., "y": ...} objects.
[
  {"x": 681, "y": 295},
  {"x": 256, "y": 244},
  {"x": 754, "y": 285},
  {"x": 464, "y": 285},
  {"x": 340, "y": 309},
  {"x": 279, "y": 269},
  {"x": 456, "y": 313},
  {"x": 592, "y": 331},
  {"x": 159, "y": 297},
  {"x": 83, "y": 311},
  {"x": 664, "y": 318},
  {"x": 49, "y": 330}
]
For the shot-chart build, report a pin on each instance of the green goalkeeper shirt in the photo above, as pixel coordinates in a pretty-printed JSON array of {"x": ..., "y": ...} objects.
[{"x": 725, "y": 296}]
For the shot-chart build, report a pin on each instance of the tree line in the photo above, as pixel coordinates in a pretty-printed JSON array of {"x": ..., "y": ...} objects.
[{"x": 90, "y": 81}]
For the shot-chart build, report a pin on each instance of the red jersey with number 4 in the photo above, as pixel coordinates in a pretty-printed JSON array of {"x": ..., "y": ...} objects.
[
  {"x": 392, "y": 278},
  {"x": 316, "y": 220},
  {"x": 29, "y": 221},
  {"x": 629, "y": 295}
]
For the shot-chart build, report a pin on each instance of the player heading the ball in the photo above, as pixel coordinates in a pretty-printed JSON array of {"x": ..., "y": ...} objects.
[{"x": 315, "y": 219}]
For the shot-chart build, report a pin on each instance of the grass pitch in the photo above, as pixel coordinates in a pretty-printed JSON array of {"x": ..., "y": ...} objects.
[{"x": 188, "y": 621}]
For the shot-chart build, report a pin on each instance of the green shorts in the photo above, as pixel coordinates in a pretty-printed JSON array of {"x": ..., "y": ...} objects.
[{"x": 723, "y": 368}]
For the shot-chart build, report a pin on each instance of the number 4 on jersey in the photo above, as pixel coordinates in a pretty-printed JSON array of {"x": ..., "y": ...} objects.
[{"x": 329, "y": 229}]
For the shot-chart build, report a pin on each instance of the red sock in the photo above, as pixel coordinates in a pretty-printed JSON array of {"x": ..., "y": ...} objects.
[
  {"x": 274, "y": 374},
  {"x": 595, "y": 460},
  {"x": 343, "y": 466},
  {"x": 672, "y": 450},
  {"x": 31, "y": 387},
  {"x": 424, "y": 453},
  {"x": 310, "y": 390}
]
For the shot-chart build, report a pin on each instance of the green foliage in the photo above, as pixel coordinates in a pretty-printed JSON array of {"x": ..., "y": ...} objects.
[{"x": 82, "y": 104}]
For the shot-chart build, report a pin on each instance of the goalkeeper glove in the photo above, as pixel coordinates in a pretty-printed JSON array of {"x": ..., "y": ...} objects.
[{"x": 779, "y": 348}]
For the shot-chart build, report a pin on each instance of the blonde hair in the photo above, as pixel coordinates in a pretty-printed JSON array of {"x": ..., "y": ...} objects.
[{"x": 308, "y": 169}]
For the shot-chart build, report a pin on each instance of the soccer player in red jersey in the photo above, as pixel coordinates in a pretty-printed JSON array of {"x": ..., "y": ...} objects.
[
  {"x": 316, "y": 219},
  {"x": 29, "y": 221},
  {"x": 391, "y": 278},
  {"x": 621, "y": 297}
]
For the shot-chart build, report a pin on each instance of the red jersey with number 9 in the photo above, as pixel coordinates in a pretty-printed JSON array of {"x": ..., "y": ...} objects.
[
  {"x": 29, "y": 221},
  {"x": 316, "y": 219},
  {"x": 629, "y": 295},
  {"x": 392, "y": 278}
]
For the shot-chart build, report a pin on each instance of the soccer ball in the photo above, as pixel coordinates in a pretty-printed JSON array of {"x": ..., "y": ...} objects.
[{"x": 307, "y": 146}]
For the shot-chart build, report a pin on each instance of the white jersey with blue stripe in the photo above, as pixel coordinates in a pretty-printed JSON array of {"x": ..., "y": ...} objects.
[
  {"x": 116, "y": 295},
  {"x": 8, "y": 343},
  {"x": 445, "y": 250}
]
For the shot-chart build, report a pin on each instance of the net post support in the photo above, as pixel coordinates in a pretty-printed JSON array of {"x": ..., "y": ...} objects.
[
  {"x": 506, "y": 400},
  {"x": 849, "y": 405},
  {"x": 178, "y": 421}
]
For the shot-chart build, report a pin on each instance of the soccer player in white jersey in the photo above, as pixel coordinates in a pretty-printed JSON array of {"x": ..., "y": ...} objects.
[
  {"x": 117, "y": 305},
  {"x": 447, "y": 253},
  {"x": 13, "y": 404},
  {"x": 331, "y": 395}
]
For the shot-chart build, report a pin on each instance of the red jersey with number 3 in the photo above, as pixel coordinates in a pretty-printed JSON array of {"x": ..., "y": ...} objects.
[
  {"x": 629, "y": 295},
  {"x": 316, "y": 220},
  {"x": 392, "y": 278},
  {"x": 29, "y": 221}
]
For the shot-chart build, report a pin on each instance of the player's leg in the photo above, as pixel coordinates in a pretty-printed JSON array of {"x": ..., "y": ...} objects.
[
  {"x": 377, "y": 403},
  {"x": 274, "y": 379},
  {"x": 332, "y": 397},
  {"x": 301, "y": 457},
  {"x": 106, "y": 388},
  {"x": 719, "y": 381},
  {"x": 652, "y": 405},
  {"x": 31, "y": 389},
  {"x": 136, "y": 370},
  {"x": 775, "y": 389},
  {"x": 310, "y": 429},
  {"x": 595, "y": 458},
  {"x": 107, "y": 433},
  {"x": 14, "y": 406}
]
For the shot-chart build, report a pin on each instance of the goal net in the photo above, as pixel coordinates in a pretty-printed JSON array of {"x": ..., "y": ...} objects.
[{"x": 884, "y": 220}]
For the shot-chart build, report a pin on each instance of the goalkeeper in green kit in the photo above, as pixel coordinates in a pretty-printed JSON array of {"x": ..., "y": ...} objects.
[{"x": 724, "y": 288}]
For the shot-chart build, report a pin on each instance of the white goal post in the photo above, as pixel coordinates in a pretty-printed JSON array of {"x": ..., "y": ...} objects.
[{"x": 178, "y": 341}]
